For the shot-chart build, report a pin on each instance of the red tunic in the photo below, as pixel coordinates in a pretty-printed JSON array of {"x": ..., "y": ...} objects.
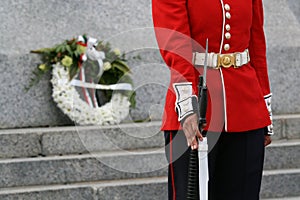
[{"x": 236, "y": 96}]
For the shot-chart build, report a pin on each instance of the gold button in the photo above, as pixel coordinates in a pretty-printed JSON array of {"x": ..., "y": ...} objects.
[
  {"x": 227, "y": 27},
  {"x": 226, "y": 47},
  {"x": 228, "y": 15},
  {"x": 227, "y": 35},
  {"x": 227, "y": 7}
]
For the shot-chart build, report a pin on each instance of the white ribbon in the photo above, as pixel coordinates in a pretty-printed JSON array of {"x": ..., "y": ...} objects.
[
  {"x": 92, "y": 53},
  {"x": 118, "y": 86}
]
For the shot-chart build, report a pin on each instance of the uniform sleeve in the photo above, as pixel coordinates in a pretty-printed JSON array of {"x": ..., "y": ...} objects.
[
  {"x": 257, "y": 51},
  {"x": 172, "y": 30},
  {"x": 257, "y": 47},
  {"x": 171, "y": 23}
]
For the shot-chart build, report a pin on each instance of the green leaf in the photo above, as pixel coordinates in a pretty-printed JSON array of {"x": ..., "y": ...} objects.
[
  {"x": 58, "y": 49},
  {"x": 63, "y": 48},
  {"x": 132, "y": 100},
  {"x": 68, "y": 48},
  {"x": 121, "y": 66},
  {"x": 41, "y": 51},
  {"x": 73, "y": 70},
  {"x": 76, "y": 53}
]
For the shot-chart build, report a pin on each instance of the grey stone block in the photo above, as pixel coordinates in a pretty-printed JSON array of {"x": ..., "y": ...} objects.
[
  {"x": 151, "y": 82},
  {"x": 15, "y": 144},
  {"x": 281, "y": 183},
  {"x": 282, "y": 155},
  {"x": 72, "y": 169},
  {"x": 30, "y": 25},
  {"x": 145, "y": 188},
  {"x": 276, "y": 184},
  {"x": 284, "y": 198},
  {"x": 283, "y": 72},
  {"x": 295, "y": 8},
  {"x": 286, "y": 127},
  {"x": 61, "y": 141},
  {"x": 25, "y": 109},
  {"x": 284, "y": 31},
  {"x": 137, "y": 192},
  {"x": 293, "y": 128},
  {"x": 279, "y": 128},
  {"x": 78, "y": 193}
]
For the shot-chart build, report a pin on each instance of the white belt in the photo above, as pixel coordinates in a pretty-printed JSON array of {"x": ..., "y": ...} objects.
[{"x": 216, "y": 60}]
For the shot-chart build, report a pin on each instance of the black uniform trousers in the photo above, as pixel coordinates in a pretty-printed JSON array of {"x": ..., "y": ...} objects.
[{"x": 235, "y": 164}]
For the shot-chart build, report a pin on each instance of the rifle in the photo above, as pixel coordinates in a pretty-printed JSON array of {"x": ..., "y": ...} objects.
[{"x": 193, "y": 173}]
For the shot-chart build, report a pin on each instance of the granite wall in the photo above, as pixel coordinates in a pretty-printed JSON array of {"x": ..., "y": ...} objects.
[{"x": 32, "y": 24}]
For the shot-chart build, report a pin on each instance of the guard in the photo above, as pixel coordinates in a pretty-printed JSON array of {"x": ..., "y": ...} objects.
[{"x": 239, "y": 117}]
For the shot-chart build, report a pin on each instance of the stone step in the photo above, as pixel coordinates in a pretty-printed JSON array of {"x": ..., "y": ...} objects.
[
  {"x": 33, "y": 142},
  {"x": 281, "y": 183},
  {"x": 286, "y": 126},
  {"x": 139, "y": 188},
  {"x": 282, "y": 154},
  {"x": 276, "y": 184},
  {"x": 285, "y": 198},
  {"x": 80, "y": 140},
  {"x": 115, "y": 165},
  {"x": 81, "y": 168}
]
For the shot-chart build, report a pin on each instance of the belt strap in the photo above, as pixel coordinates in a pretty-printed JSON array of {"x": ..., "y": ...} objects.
[{"x": 215, "y": 60}]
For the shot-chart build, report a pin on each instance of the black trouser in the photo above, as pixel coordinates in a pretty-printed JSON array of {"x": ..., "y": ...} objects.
[{"x": 235, "y": 164}]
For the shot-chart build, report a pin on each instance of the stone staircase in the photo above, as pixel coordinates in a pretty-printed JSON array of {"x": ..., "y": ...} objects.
[{"x": 115, "y": 163}]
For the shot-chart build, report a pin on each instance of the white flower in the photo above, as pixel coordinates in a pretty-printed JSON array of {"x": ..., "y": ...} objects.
[
  {"x": 106, "y": 66},
  {"x": 117, "y": 51},
  {"x": 69, "y": 101}
]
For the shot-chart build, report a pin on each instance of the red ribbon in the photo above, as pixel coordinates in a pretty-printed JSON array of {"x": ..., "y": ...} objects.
[
  {"x": 81, "y": 43},
  {"x": 84, "y": 44}
]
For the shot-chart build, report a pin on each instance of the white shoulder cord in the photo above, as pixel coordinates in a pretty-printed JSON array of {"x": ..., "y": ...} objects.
[{"x": 223, "y": 25}]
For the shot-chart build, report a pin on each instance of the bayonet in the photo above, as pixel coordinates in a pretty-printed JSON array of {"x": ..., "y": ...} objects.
[
  {"x": 205, "y": 64},
  {"x": 202, "y": 93},
  {"x": 203, "y": 148}
]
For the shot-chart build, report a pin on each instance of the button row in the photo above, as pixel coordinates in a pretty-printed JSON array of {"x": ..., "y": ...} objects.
[{"x": 227, "y": 26}]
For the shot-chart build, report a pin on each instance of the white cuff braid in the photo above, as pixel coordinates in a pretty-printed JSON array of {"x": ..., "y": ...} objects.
[
  {"x": 186, "y": 103},
  {"x": 268, "y": 104}
]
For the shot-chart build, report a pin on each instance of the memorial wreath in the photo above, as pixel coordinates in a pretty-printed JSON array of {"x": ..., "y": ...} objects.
[{"x": 91, "y": 82}]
